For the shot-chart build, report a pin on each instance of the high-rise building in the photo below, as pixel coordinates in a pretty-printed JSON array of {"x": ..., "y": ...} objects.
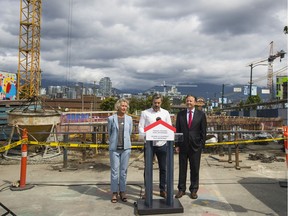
[
  {"x": 105, "y": 86},
  {"x": 281, "y": 83}
]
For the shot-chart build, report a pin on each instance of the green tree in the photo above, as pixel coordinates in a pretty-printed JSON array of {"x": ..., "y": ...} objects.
[
  {"x": 241, "y": 103},
  {"x": 166, "y": 104},
  {"x": 253, "y": 100},
  {"x": 134, "y": 104},
  {"x": 108, "y": 104}
]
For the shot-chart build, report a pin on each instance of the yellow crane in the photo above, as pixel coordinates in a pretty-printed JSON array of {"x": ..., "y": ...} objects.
[
  {"x": 29, "y": 72},
  {"x": 269, "y": 63}
]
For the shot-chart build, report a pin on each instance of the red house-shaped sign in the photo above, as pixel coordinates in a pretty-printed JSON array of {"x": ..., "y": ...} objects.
[{"x": 160, "y": 130}]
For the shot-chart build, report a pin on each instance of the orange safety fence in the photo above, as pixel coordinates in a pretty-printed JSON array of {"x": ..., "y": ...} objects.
[{"x": 285, "y": 134}]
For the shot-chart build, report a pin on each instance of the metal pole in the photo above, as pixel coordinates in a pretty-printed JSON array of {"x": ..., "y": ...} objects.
[
  {"x": 222, "y": 100},
  {"x": 94, "y": 99},
  {"x": 237, "y": 166},
  {"x": 82, "y": 97},
  {"x": 148, "y": 173},
  {"x": 250, "y": 87},
  {"x": 170, "y": 173},
  {"x": 229, "y": 154},
  {"x": 65, "y": 154}
]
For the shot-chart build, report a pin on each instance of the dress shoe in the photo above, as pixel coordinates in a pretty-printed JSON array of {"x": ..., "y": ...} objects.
[
  {"x": 194, "y": 195},
  {"x": 179, "y": 194},
  {"x": 163, "y": 194}
]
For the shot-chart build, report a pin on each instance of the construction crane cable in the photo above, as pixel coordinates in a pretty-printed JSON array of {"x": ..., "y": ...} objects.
[
  {"x": 261, "y": 79},
  {"x": 274, "y": 73},
  {"x": 69, "y": 42}
]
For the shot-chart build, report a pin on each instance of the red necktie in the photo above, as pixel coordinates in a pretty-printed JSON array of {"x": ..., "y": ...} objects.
[{"x": 190, "y": 119}]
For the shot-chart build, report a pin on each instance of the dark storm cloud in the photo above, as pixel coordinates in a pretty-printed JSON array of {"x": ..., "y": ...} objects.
[
  {"x": 248, "y": 18},
  {"x": 55, "y": 9},
  {"x": 141, "y": 43}
]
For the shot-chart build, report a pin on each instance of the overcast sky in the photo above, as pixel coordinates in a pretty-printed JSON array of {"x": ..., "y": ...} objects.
[{"x": 141, "y": 43}]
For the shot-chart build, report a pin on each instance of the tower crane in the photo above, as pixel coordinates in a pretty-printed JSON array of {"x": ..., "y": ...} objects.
[
  {"x": 270, "y": 61},
  {"x": 29, "y": 72}
]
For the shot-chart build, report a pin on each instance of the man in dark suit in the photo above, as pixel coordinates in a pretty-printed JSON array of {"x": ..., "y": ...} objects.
[{"x": 192, "y": 123}]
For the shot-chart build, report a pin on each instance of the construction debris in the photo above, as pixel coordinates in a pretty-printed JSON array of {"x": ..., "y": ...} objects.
[{"x": 265, "y": 158}]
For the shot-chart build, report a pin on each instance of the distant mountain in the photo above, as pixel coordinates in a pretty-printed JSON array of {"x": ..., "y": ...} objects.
[
  {"x": 47, "y": 82},
  {"x": 131, "y": 91},
  {"x": 200, "y": 90},
  {"x": 206, "y": 90},
  {"x": 211, "y": 91}
]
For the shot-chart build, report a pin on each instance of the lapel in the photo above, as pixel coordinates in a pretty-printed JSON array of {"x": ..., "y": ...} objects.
[
  {"x": 184, "y": 114},
  {"x": 125, "y": 119},
  {"x": 195, "y": 115},
  {"x": 116, "y": 120}
]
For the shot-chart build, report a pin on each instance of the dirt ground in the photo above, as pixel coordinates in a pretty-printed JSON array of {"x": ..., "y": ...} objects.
[{"x": 82, "y": 188}]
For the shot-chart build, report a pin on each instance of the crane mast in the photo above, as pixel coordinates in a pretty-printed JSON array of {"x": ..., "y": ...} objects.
[
  {"x": 270, "y": 71},
  {"x": 29, "y": 72}
]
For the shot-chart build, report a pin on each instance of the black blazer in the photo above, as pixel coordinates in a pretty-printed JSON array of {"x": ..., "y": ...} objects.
[{"x": 195, "y": 136}]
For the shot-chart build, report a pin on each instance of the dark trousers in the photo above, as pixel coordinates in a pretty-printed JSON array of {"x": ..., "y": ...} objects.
[
  {"x": 194, "y": 164},
  {"x": 161, "y": 154}
]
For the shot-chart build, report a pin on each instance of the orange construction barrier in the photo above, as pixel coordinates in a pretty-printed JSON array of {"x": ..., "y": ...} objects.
[
  {"x": 285, "y": 134},
  {"x": 22, "y": 183},
  {"x": 24, "y": 149}
]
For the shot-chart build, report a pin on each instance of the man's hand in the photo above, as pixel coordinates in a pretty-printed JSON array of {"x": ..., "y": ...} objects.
[{"x": 177, "y": 149}]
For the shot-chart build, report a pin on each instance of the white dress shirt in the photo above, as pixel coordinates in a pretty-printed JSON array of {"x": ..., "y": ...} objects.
[{"x": 149, "y": 116}]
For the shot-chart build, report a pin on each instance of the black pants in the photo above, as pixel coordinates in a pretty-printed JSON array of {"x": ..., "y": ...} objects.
[{"x": 194, "y": 164}]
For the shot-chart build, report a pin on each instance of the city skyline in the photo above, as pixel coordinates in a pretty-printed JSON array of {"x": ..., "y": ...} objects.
[{"x": 205, "y": 90}]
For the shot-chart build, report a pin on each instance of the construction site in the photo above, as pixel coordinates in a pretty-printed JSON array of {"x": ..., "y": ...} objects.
[{"x": 57, "y": 163}]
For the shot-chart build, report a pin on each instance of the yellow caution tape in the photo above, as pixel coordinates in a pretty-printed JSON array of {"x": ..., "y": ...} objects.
[
  {"x": 76, "y": 145},
  {"x": 242, "y": 142},
  {"x": 11, "y": 145},
  {"x": 93, "y": 145}
]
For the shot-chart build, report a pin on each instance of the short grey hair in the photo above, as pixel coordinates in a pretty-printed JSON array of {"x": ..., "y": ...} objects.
[{"x": 118, "y": 103}]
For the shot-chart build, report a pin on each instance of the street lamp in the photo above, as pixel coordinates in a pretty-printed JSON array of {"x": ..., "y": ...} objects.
[
  {"x": 94, "y": 100},
  {"x": 82, "y": 97},
  {"x": 251, "y": 72},
  {"x": 222, "y": 98}
]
